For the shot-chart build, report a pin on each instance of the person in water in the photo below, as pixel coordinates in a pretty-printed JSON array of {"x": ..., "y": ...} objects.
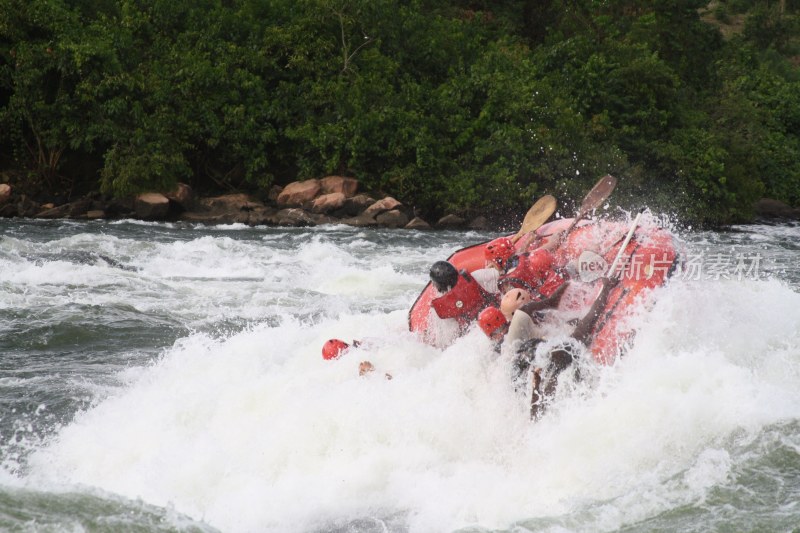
[
  {"x": 461, "y": 297},
  {"x": 513, "y": 324},
  {"x": 336, "y": 348},
  {"x": 515, "y": 320},
  {"x": 545, "y": 380},
  {"x": 522, "y": 334}
]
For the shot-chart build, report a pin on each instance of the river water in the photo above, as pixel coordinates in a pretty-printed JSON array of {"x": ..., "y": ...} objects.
[{"x": 168, "y": 377}]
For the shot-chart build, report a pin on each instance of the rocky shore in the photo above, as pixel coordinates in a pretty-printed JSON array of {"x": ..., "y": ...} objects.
[{"x": 329, "y": 200}]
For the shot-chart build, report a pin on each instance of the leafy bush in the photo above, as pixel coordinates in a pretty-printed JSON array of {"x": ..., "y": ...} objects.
[{"x": 467, "y": 106}]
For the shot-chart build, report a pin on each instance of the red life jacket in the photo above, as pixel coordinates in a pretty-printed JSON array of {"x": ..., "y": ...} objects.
[
  {"x": 464, "y": 301},
  {"x": 535, "y": 272},
  {"x": 551, "y": 282}
]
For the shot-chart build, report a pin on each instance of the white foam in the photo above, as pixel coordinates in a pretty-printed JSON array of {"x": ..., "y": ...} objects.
[
  {"x": 255, "y": 432},
  {"x": 258, "y": 433}
]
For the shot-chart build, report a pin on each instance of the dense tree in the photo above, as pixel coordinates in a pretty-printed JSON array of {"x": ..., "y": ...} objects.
[{"x": 464, "y": 104}]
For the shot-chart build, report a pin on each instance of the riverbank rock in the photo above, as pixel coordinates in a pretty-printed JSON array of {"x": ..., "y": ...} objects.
[
  {"x": 182, "y": 196},
  {"x": 60, "y": 211},
  {"x": 293, "y": 217},
  {"x": 392, "y": 219},
  {"x": 417, "y": 223},
  {"x": 771, "y": 208},
  {"x": 262, "y": 216},
  {"x": 328, "y": 202},
  {"x": 273, "y": 193},
  {"x": 361, "y": 221},
  {"x": 312, "y": 202},
  {"x": 152, "y": 206},
  {"x": 299, "y": 192},
  {"x": 339, "y": 184},
  {"x": 386, "y": 204},
  {"x": 27, "y": 207},
  {"x": 76, "y": 209},
  {"x": 5, "y": 193},
  {"x": 229, "y": 209},
  {"x": 230, "y": 203},
  {"x": 80, "y": 207},
  {"x": 357, "y": 204},
  {"x": 479, "y": 224},
  {"x": 120, "y": 207},
  {"x": 451, "y": 222}
]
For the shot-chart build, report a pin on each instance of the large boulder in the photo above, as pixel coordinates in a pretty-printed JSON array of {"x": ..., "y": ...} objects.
[
  {"x": 392, "y": 219},
  {"x": 225, "y": 209},
  {"x": 346, "y": 186},
  {"x": 152, "y": 206},
  {"x": 182, "y": 196},
  {"x": 479, "y": 223},
  {"x": 262, "y": 216},
  {"x": 60, "y": 211},
  {"x": 27, "y": 207},
  {"x": 80, "y": 207},
  {"x": 120, "y": 207},
  {"x": 386, "y": 204},
  {"x": 5, "y": 193},
  {"x": 357, "y": 204},
  {"x": 771, "y": 208},
  {"x": 417, "y": 223},
  {"x": 321, "y": 219},
  {"x": 361, "y": 221},
  {"x": 229, "y": 203},
  {"x": 293, "y": 217},
  {"x": 206, "y": 217},
  {"x": 299, "y": 192},
  {"x": 451, "y": 222},
  {"x": 274, "y": 192},
  {"x": 77, "y": 209},
  {"x": 328, "y": 202}
]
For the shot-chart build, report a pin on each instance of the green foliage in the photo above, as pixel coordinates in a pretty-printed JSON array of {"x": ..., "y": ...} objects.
[
  {"x": 458, "y": 105},
  {"x": 44, "y": 112},
  {"x": 767, "y": 27}
]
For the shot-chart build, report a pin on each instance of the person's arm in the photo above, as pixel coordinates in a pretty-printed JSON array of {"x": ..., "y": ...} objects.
[
  {"x": 583, "y": 329},
  {"x": 532, "y": 242},
  {"x": 548, "y": 303}
]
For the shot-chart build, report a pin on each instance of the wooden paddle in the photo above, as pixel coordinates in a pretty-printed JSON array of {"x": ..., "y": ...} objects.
[
  {"x": 601, "y": 190},
  {"x": 537, "y": 215}
]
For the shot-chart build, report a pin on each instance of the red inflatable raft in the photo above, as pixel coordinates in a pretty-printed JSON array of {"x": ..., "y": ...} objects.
[{"x": 647, "y": 261}]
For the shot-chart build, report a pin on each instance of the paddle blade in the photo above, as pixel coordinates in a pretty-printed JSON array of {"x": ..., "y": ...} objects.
[
  {"x": 599, "y": 193},
  {"x": 601, "y": 190},
  {"x": 537, "y": 215}
]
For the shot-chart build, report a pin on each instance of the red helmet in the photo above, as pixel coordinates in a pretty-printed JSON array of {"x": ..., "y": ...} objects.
[
  {"x": 499, "y": 251},
  {"x": 333, "y": 349},
  {"x": 492, "y": 322}
]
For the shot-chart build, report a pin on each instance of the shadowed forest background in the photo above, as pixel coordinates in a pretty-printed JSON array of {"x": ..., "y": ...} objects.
[{"x": 476, "y": 107}]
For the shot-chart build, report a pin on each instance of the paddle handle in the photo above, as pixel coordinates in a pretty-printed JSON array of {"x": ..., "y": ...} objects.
[
  {"x": 625, "y": 243},
  {"x": 578, "y": 218}
]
